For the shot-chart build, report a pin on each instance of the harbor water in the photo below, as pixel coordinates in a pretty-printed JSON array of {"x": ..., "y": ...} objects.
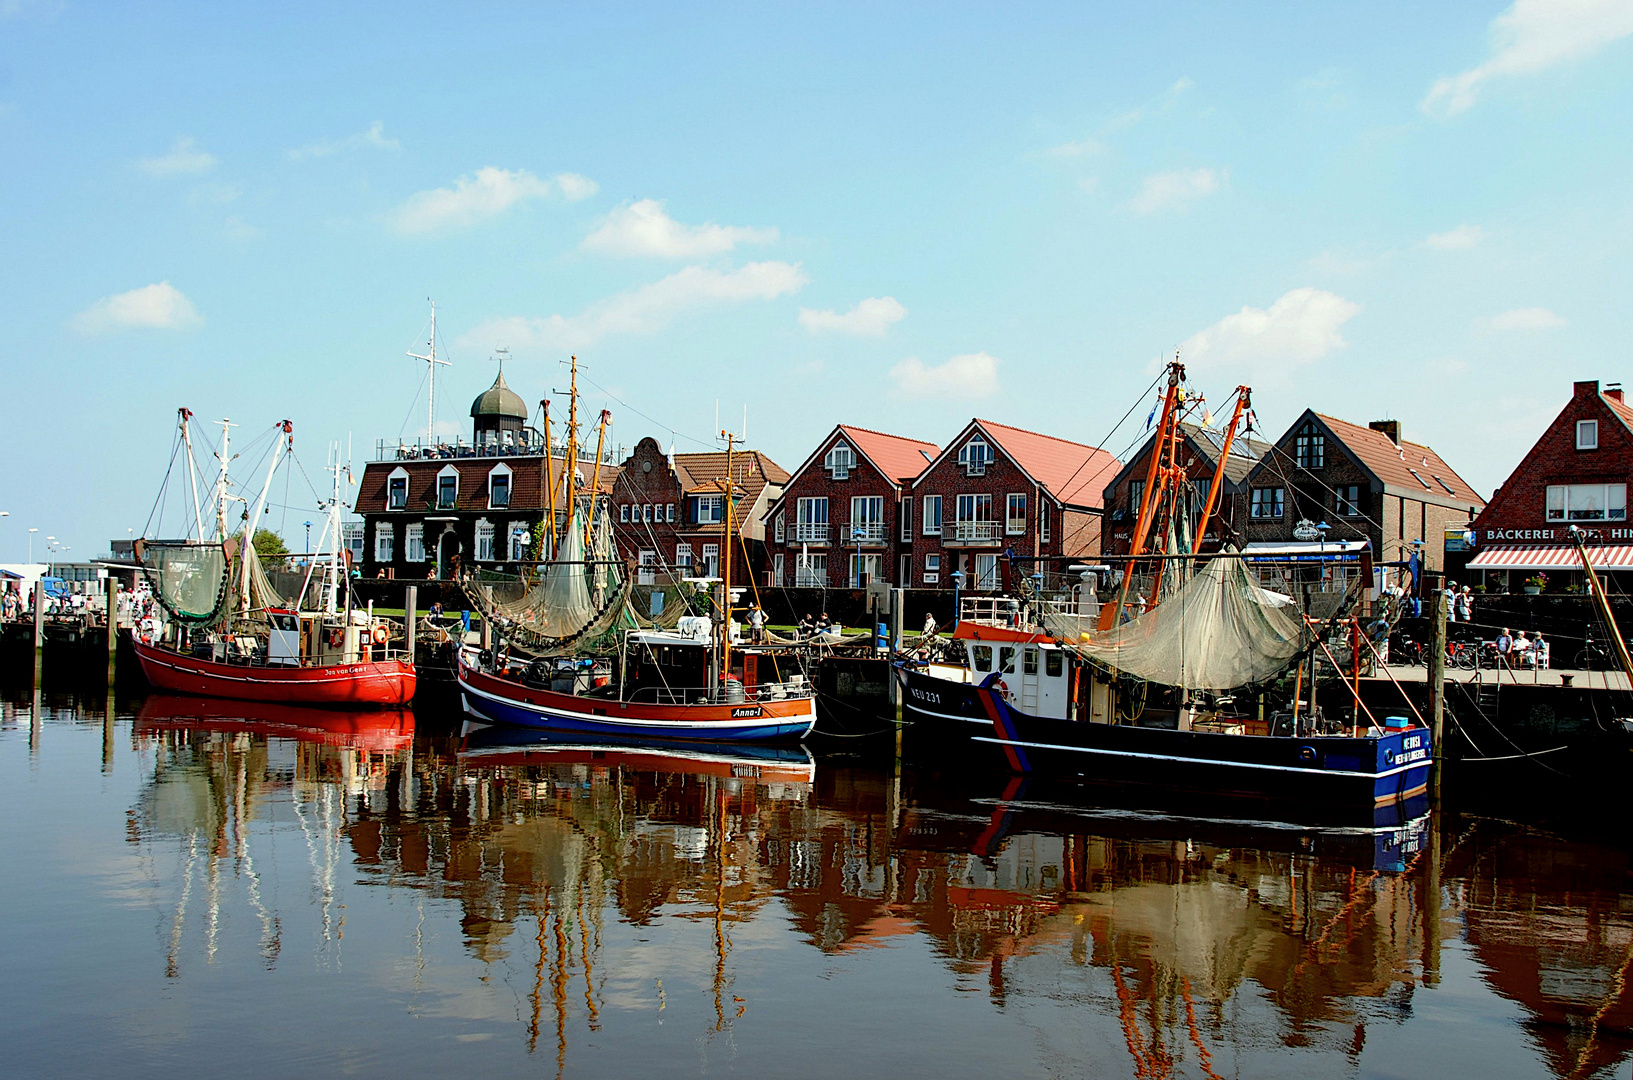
[{"x": 197, "y": 888}]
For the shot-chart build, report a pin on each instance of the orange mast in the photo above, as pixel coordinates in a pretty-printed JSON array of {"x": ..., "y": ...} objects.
[{"x": 1244, "y": 396}]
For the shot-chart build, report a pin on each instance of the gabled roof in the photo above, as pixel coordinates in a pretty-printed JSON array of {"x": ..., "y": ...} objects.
[
  {"x": 1074, "y": 474},
  {"x": 1245, "y": 452},
  {"x": 1395, "y": 464},
  {"x": 895, "y": 456},
  {"x": 751, "y": 470}
]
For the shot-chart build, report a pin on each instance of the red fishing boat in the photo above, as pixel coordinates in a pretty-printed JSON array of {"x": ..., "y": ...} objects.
[{"x": 367, "y": 683}]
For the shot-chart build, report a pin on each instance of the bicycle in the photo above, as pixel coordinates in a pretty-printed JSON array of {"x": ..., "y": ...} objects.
[
  {"x": 1460, "y": 654},
  {"x": 1593, "y": 657}
]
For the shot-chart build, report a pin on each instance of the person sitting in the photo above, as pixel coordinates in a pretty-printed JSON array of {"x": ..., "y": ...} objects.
[
  {"x": 1539, "y": 653},
  {"x": 824, "y": 625},
  {"x": 807, "y": 626},
  {"x": 930, "y": 627},
  {"x": 1522, "y": 650}
]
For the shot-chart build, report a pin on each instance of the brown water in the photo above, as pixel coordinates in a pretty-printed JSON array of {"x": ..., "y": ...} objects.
[{"x": 289, "y": 894}]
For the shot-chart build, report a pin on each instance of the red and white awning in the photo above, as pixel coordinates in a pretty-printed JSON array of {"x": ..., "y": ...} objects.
[{"x": 1553, "y": 557}]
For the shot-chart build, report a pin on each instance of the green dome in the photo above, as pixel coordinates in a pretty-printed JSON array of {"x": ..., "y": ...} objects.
[{"x": 499, "y": 400}]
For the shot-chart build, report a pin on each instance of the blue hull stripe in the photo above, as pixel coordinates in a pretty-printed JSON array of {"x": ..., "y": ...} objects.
[{"x": 498, "y": 711}]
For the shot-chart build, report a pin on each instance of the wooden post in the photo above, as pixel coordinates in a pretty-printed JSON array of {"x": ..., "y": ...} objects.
[
  {"x": 39, "y": 630},
  {"x": 107, "y": 729},
  {"x": 411, "y": 615},
  {"x": 113, "y": 626},
  {"x": 1437, "y": 690},
  {"x": 1431, "y": 906}
]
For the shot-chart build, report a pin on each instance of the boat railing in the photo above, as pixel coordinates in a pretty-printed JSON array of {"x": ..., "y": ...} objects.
[{"x": 760, "y": 693}]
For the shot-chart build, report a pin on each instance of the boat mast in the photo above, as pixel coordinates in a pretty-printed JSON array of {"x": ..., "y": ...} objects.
[
  {"x": 221, "y": 481},
  {"x": 278, "y": 446},
  {"x": 726, "y": 532},
  {"x": 549, "y": 475},
  {"x": 332, "y": 577},
  {"x": 1153, "y": 475},
  {"x": 1603, "y": 604},
  {"x": 185, "y": 415},
  {"x": 431, "y": 363},
  {"x": 595, "y": 476},
  {"x": 1244, "y": 401},
  {"x": 571, "y": 478}
]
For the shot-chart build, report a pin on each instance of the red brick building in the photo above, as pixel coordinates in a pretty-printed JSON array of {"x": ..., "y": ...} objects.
[
  {"x": 844, "y": 517},
  {"x": 1199, "y": 454},
  {"x": 996, "y": 488},
  {"x": 1577, "y": 473},
  {"x": 669, "y": 511}
]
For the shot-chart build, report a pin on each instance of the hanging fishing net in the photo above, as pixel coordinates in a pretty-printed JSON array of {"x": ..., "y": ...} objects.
[
  {"x": 261, "y": 593},
  {"x": 581, "y": 592},
  {"x": 1217, "y": 631},
  {"x": 189, "y": 579}
]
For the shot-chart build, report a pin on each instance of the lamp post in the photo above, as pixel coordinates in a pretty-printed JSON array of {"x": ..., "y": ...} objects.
[
  {"x": 308, "y": 559},
  {"x": 857, "y": 533},
  {"x": 958, "y": 585}
]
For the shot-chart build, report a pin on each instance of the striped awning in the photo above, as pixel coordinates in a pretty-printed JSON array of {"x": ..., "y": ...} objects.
[{"x": 1553, "y": 557}]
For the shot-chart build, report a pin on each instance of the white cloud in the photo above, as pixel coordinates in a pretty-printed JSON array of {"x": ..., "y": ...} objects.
[
  {"x": 643, "y": 228},
  {"x": 1464, "y": 236},
  {"x": 1176, "y": 189},
  {"x": 644, "y": 310},
  {"x": 184, "y": 158},
  {"x": 1302, "y": 326},
  {"x": 968, "y": 376},
  {"x": 870, "y": 318},
  {"x": 1077, "y": 149},
  {"x": 375, "y": 137},
  {"x": 490, "y": 193},
  {"x": 158, "y": 307},
  {"x": 1532, "y": 36},
  {"x": 1530, "y": 318}
]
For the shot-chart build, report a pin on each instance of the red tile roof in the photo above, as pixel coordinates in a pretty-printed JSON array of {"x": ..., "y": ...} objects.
[
  {"x": 1394, "y": 464},
  {"x": 752, "y": 469},
  {"x": 899, "y": 458},
  {"x": 1074, "y": 473}
]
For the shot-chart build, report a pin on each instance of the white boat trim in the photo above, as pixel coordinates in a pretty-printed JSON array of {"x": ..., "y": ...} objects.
[
  {"x": 675, "y": 725},
  {"x": 1205, "y": 761}
]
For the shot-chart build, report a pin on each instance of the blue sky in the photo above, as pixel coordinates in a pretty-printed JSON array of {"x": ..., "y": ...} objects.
[{"x": 892, "y": 216}]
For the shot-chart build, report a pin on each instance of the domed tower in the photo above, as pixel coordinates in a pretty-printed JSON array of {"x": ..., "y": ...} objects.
[{"x": 497, "y": 415}]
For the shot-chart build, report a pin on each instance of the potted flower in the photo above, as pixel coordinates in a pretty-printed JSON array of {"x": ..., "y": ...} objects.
[{"x": 1535, "y": 583}]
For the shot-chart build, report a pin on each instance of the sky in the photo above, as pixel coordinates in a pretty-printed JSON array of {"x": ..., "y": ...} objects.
[{"x": 893, "y": 216}]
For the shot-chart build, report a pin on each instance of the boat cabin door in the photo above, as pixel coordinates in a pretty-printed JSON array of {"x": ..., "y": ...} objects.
[
  {"x": 1044, "y": 689},
  {"x": 284, "y": 639}
]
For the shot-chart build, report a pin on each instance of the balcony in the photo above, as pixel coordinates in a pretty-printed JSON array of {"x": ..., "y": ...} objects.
[
  {"x": 870, "y": 533},
  {"x": 976, "y": 532},
  {"x": 810, "y": 532}
]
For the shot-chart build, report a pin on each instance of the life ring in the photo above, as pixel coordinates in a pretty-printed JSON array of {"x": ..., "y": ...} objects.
[
  {"x": 381, "y": 635},
  {"x": 1001, "y": 686},
  {"x": 336, "y": 636}
]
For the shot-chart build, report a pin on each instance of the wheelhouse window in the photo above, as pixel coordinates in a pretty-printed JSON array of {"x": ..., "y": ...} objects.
[
  {"x": 1347, "y": 500},
  {"x": 1266, "y": 502},
  {"x": 1310, "y": 448},
  {"x": 1587, "y": 434},
  {"x": 1587, "y": 502}
]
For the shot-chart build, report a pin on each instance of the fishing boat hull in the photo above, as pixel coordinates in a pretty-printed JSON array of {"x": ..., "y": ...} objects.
[
  {"x": 372, "y": 684},
  {"x": 1319, "y": 770},
  {"x": 773, "y": 764},
  {"x": 384, "y": 730},
  {"x": 496, "y": 700}
]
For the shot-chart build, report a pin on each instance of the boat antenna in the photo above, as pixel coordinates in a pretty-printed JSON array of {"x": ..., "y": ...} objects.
[{"x": 431, "y": 362}]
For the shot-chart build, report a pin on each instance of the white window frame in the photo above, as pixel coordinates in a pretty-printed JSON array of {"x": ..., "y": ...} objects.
[
  {"x": 871, "y": 564},
  {"x": 623, "y": 512},
  {"x": 904, "y": 509},
  {"x": 510, "y": 486},
  {"x": 711, "y": 560},
  {"x": 839, "y": 460},
  {"x": 714, "y": 503},
  {"x": 1043, "y": 520},
  {"x": 484, "y": 540},
  {"x": 1565, "y": 502},
  {"x": 932, "y": 568},
  {"x": 975, "y": 464},
  {"x": 777, "y": 527},
  {"x": 384, "y": 541},
  {"x": 521, "y": 538},
  {"x": 1013, "y": 525},
  {"x": 414, "y": 542},
  {"x": 444, "y": 472},
  {"x": 811, "y": 570},
  {"x": 867, "y": 518},
  {"x": 931, "y": 525},
  {"x": 1587, "y": 434},
  {"x": 986, "y": 580},
  {"x": 646, "y": 567},
  {"x": 809, "y": 526},
  {"x": 776, "y": 570},
  {"x": 397, "y": 474},
  {"x": 669, "y": 513}
]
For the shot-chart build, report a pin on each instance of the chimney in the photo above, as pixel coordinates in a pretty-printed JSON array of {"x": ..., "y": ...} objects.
[
  {"x": 1587, "y": 388},
  {"x": 1613, "y": 391},
  {"x": 1392, "y": 428}
]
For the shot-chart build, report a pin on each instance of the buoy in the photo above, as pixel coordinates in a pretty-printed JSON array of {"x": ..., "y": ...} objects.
[{"x": 381, "y": 635}]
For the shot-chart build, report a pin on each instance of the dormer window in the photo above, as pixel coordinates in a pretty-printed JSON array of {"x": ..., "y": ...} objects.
[
  {"x": 397, "y": 490},
  {"x": 1310, "y": 448},
  {"x": 975, "y": 457},
  {"x": 839, "y": 461},
  {"x": 447, "y": 488},
  {"x": 499, "y": 487},
  {"x": 1587, "y": 434}
]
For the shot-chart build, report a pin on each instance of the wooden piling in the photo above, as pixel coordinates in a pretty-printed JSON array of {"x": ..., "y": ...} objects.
[
  {"x": 39, "y": 630},
  {"x": 113, "y": 626},
  {"x": 1437, "y": 689},
  {"x": 411, "y": 615}
]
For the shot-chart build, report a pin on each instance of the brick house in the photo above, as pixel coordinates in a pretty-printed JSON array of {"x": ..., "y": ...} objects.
[
  {"x": 669, "y": 510},
  {"x": 1577, "y": 473},
  {"x": 996, "y": 488},
  {"x": 1375, "y": 497},
  {"x": 1199, "y": 454},
  {"x": 844, "y": 517},
  {"x": 428, "y": 509}
]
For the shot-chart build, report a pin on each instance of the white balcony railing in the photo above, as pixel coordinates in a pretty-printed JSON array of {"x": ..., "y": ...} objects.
[
  {"x": 866, "y": 532},
  {"x": 976, "y": 531},
  {"x": 810, "y": 577},
  {"x": 810, "y": 532}
]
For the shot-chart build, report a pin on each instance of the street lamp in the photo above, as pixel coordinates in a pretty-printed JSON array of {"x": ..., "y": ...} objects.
[
  {"x": 958, "y": 584},
  {"x": 308, "y": 559}
]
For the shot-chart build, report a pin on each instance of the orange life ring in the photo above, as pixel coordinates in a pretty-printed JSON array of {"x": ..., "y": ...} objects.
[
  {"x": 381, "y": 635},
  {"x": 336, "y": 636}
]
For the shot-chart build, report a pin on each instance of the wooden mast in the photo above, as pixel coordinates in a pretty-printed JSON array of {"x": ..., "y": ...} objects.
[
  {"x": 1244, "y": 396},
  {"x": 570, "y": 472},
  {"x": 549, "y": 475},
  {"x": 1153, "y": 473},
  {"x": 726, "y": 533},
  {"x": 595, "y": 476},
  {"x": 1603, "y": 603}
]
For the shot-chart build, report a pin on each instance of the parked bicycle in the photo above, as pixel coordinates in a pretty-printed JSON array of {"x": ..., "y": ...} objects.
[
  {"x": 1594, "y": 656},
  {"x": 1462, "y": 654}
]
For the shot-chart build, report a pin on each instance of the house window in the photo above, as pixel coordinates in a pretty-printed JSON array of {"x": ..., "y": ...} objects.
[
  {"x": 1587, "y": 434},
  {"x": 397, "y": 493},
  {"x": 1015, "y": 517},
  {"x": 905, "y": 509},
  {"x": 711, "y": 560},
  {"x": 986, "y": 572},
  {"x": 932, "y": 515},
  {"x": 414, "y": 543},
  {"x": 484, "y": 540},
  {"x": 932, "y": 568},
  {"x": 669, "y": 512},
  {"x": 974, "y": 520},
  {"x": 1587, "y": 502},
  {"x": 683, "y": 557},
  {"x": 1266, "y": 502},
  {"x": 867, "y": 520},
  {"x": 811, "y": 526},
  {"x": 708, "y": 509},
  {"x": 647, "y": 511},
  {"x": 975, "y": 456},
  {"x": 382, "y": 542},
  {"x": 498, "y": 489},
  {"x": 839, "y": 460},
  {"x": 779, "y": 528},
  {"x": 1310, "y": 448},
  {"x": 352, "y": 533},
  {"x": 646, "y": 566},
  {"x": 1347, "y": 500},
  {"x": 811, "y": 571},
  {"x": 1043, "y": 522},
  {"x": 776, "y": 570},
  {"x": 623, "y": 511},
  {"x": 1136, "y": 492},
  {"x": 866, "y": 568},
  {"x": 521, "y": 537},
  {"x": 447, "y": 489},
  {"x": 1419, "y": 478}
]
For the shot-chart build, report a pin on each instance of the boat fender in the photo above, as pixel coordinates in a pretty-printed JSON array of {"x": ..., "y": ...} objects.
[
  {"x": 336, "y": 636},
  {"x": 1306, "y": 754},
  {"x": 381, "y": 635}
]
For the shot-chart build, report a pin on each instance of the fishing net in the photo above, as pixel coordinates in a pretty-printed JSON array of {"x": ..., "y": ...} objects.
[
  {"x": 1217, "y": 631},
  {"x": 189, "y": 579},
  {"x": 580, "y": 592},
  {"x": 262, "y": 593}
]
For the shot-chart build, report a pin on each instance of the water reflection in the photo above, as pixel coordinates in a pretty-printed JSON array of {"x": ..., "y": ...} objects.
[{"x": 1200, "y": 946}]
